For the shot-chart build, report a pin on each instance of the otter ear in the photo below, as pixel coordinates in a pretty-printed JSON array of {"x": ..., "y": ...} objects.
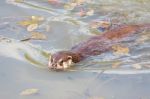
[{"x": 69, "y": 57}]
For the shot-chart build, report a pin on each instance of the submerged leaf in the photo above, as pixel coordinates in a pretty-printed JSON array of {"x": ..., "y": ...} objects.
[
  {"x": 37, "y": 18},
  {"x": 116, "y": 64},
  {"x": 38, "y": 36},
  {"x": 120, "y": 50},
  {"x": 27, "y": 22},
  {"x": 31, "y": 91},
  {"x": 32, "y": 27}
]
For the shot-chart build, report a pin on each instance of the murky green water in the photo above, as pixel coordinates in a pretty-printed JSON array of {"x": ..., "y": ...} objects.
[{"x": 24, "y": 64}]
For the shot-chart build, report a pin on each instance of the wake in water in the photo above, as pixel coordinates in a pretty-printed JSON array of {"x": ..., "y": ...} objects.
[{"x": 23, "y": 51}]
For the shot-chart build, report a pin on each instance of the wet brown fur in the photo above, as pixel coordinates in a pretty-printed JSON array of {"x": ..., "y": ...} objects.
[{"x": 101, "y": 43}]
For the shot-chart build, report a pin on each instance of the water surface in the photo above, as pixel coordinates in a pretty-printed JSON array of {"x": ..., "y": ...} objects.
[{"x": 23, "y": 64}]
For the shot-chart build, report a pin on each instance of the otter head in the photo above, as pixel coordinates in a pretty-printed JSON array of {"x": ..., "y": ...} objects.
[{"x": 62, "y": 60}]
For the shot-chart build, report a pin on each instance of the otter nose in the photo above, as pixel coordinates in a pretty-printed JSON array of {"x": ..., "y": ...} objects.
[
  {"x": 52, "y": 65},
  {"x": 55, "y": 67}
]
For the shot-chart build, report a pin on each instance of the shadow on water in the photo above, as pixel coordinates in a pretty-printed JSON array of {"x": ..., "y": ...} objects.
[{"x": 94, "y": 78}]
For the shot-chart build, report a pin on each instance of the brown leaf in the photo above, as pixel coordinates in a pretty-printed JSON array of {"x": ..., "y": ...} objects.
[
  {"x": 32, "y": 27},
  {"x": 30, "y": 91},
  {"x": 96, "y": 98},
  {"x": 120, "y": 50},
  {"x": 38, "y": 36},
  {"x": 116, "y": 64},
  {"x": 103, "y": 24},
  {"x": 31, "y": 20},
  {"x": 54, "y": 1},
  {"x": 79, "y": 2},
  {"x": 69, "y": 6},
  {"x": 26, "y": 22},
  {"x": 37, "y": 18}
]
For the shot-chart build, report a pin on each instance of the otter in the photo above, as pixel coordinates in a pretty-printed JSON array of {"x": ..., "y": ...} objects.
[{"x": 93, "y": 46}]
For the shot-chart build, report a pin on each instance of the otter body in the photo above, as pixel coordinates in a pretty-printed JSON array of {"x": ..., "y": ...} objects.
[
  {"x": 102, "y": 43},
  {"x": 93, "y": 46}
]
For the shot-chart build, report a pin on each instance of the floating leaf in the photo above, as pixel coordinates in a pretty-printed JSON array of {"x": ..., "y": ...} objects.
[
  {"x": 54, "y": 1},
  {"x": 75, "y": 22},
  {"x": 79, "y": 2},
  {"x": 35, "y": 36},
  {"x": 105, "y": 24},
  {"x": 96, "y": 98},
  {"x": 94, "y": 24},
  {"x": 38, "y": 36},
  {"x": 26, "y": 39},
  {"x": 95, "y": 31},
  {"x": 26, "y": 22},
  {"x": 32, "y": 27},
  {"x": 31, "y": 20},
  {"x": 37, "y": 18},
  {"x": 120, "y": 50},
  {"x": 18, "y": 1},
  {"x": 137, "y": 66},
  {"x": 90, "y": 12},
  {"x": 31, "y": 91},
  {"x": 116, "y": 64},
  {"x": 100, "y": 25},
  {"x": 142, "y": 39},
  {"x": 69, "y": 6}
]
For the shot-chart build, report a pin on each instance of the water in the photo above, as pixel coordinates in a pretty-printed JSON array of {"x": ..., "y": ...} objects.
[{"x": 24, "y": 64}]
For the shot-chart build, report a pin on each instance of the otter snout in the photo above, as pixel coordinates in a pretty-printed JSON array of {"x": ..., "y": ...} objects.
[
  {"x": 55, "y": 66},
  {"x": 60, "y": 61}
]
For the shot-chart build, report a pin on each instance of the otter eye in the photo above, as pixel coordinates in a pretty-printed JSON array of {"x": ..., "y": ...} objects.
[
  {"x": 69, "y": 57},
  {"x": 61, "y": 62}
]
